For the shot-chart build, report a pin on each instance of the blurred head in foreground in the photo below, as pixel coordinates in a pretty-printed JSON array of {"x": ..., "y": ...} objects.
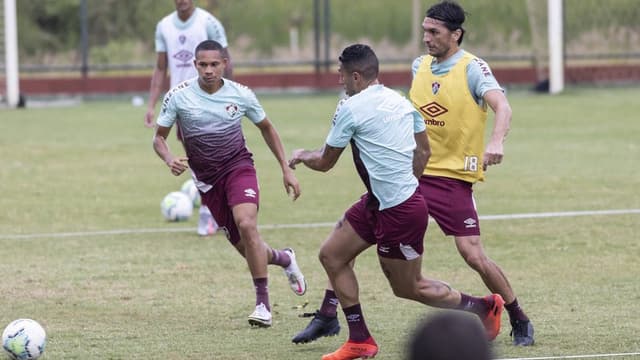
[{"x": 449, "y": 335}]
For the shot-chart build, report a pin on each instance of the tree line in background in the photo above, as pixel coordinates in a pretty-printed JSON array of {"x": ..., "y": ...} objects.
[
  {"x": 122, "y": 31},
  {"x": 46, "y": 28}
]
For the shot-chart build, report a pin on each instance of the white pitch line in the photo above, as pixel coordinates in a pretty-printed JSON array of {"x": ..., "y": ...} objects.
[
  {"x": 560, "y": 214},
  {"x": 592, "y": 356},
  {"x": 306, "y": 226}
]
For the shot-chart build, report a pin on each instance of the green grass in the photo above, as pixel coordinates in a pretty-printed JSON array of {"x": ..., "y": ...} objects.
[{"x": 172, "y": 295}]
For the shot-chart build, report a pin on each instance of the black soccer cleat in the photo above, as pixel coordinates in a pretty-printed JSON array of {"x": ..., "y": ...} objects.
[
  {"x": 321, "y": 325},
  {"x": 522, "y": 333}
]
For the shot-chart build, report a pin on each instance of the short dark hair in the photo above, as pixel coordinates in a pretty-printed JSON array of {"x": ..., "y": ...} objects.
[
  {"x": 208, "y": 45},
  {"x": 449, "y": 335},
  {"x": 360, "y": 58},
  {"x": 451, "y": 13}
]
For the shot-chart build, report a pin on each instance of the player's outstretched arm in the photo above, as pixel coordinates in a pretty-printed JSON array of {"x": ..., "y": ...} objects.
[
  {"x": 320, "y": 160},
  {"x": 177, "y": 164}
]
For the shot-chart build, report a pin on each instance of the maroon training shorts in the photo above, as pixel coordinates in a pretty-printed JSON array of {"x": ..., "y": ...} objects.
[
  {"x": 451, "y": 205},
  {"x": 398, "y": 231},
  {"x": 239, "y": 186}
]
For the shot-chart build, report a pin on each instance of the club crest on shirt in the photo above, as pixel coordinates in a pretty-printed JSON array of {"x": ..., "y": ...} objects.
[
  {"x": 435, "y": 87},
  {"x": 232, "y": 109},
  {"x": 182, "y": 39}
]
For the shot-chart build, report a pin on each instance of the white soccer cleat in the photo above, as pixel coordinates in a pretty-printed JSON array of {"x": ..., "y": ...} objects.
[
  {"x": 206, "y": 224},
  {"x": 294, "y": 275},
  {"x": 260, "y": 317}
]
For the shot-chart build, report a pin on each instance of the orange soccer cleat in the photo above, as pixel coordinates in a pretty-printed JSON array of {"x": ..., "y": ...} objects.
[
  {"x": 354, "y": 350},
  {"x": 491, "y": 321}
]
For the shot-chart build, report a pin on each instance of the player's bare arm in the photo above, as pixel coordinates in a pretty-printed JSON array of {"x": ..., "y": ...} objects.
[
  {"x": 498, "y": 102},
  {"x": 272, "y": 139},
  {"x": 421, "y": 154},
  {"x": 157, "y": 80},
  {"x": 177, "y": 164},
  {"x": 320, "y": 160}
]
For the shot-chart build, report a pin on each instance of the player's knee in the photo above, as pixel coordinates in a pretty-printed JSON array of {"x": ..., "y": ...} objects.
[
  {"x": 246, "y": 225},
  {"x": 404, "y": 290},
  {"x": 331, "y": 262},
  {"x": 403, "y": 293},
  {"x": 325, "y": 258},
  {"x": 476, "y": 260}
]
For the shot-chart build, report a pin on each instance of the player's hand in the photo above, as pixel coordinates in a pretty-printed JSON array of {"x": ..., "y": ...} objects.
[
  {"x": 493, "y": 154},
  {"x": 295, "y": 158},
  {"x": 148, "y": 118},
  {"x": 291, "y": 184},
  {"x": 178, "y": 164}
]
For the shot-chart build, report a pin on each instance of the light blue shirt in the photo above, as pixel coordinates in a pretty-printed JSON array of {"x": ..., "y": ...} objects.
[
  {"x": 381, "y": 124},
  {"x": 480, "y": 79},
  {"x": 201, "y": 112},
  {"x": 211, "y": 126}
]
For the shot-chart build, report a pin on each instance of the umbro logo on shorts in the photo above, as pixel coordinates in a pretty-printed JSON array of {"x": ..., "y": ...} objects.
[
  {"x": 250, "y": 193},
  {"x": 470, "y": 223}
]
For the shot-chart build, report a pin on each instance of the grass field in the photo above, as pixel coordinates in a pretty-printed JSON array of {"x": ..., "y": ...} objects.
[{"x": 86, "y": 253}]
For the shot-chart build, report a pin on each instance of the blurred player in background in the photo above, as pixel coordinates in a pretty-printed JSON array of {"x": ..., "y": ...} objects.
[
  {"x": 176, "y": 37},
  {"x": 390, "y": 149},
  {"x": 208, "y": 109}
]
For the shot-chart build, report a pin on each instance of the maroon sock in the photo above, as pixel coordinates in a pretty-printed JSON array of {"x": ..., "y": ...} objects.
[
  {"x": 329, "y": 305},
  {"x": 358, "y": 331},
  {"x": 280, "y": 258},
  {"x": 476, "y": 305},
  {"x": 515, "y": 311},
  {"x": 262, "y": 291}
]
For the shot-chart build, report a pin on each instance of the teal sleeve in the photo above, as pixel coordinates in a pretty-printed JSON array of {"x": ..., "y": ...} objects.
[
  {"x": 254, "y": 110},
  {"x": 168, "y": 112},
  {"x": 480, "y": 79},
  {"x": 415, "y": 65},
  {"x": 343, "y": 128},
  {"x": 418, "y": 122}
]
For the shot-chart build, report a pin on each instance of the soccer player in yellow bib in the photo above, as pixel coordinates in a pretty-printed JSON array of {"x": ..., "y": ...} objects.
[{"x": 452, "y": 89}]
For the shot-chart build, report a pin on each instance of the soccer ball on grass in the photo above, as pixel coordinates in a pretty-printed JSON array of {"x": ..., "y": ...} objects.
[
  {"x": 176, "y": 206},
  {"x": 24, "y": 339}
]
